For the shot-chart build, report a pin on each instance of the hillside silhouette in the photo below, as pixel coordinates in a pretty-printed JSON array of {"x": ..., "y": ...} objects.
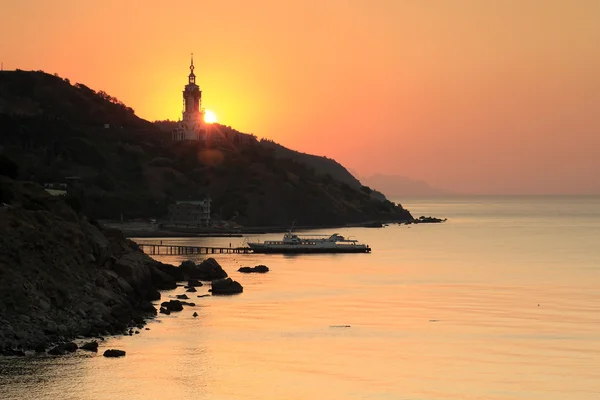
[{"x": 122, "y": 165}]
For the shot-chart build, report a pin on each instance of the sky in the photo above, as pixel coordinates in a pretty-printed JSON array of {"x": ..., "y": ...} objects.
[{"x": 473, "y": 96}]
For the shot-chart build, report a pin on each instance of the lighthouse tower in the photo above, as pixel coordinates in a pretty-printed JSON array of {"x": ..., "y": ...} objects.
[{"x": 192, "y": 127}]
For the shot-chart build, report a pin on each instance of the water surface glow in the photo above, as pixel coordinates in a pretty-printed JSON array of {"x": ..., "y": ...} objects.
[{"x": 501, "y": 302}]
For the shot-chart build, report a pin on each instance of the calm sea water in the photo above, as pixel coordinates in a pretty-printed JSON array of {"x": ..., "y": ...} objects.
[{"x": 500, "y": 302}]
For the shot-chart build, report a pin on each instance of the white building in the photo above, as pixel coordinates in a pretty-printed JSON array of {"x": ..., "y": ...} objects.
[
  {"x": 192, "y": 127},
  {"x": 188, "y": 212}
]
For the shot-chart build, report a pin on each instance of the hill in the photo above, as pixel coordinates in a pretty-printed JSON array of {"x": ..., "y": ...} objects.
[
  {"x": 120, "y": 164},
  {"x": 321, "y": 165}
]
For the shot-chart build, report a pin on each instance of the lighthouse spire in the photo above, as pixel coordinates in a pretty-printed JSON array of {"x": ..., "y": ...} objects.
[{"x": 192, "y": 77}]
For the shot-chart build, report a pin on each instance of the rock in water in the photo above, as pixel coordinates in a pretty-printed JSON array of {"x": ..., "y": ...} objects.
[
  {"x": 70, "y": 347},
  {"x": 173, "y": 305},
  {"x": 208, "y": 270},
  {"x": 90, "y": 346},
  {"x": 186, "y": 269},
  {"x": 259, "y": 268},
  {"x": 57, "y": 351},
  {"x": 114, "y": 353},
  {"x": 164, "y": 311},
  {"x": 195, "y": 314},
  {"x": 191, "y": 289},
  {"x": 226, "y": 286},
  {"x": 194, "y": 283},
  {"x": 182, "y": 296}
]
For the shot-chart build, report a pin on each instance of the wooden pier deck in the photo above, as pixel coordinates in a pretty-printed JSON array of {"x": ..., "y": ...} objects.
[{"x": 169, "y": 249}]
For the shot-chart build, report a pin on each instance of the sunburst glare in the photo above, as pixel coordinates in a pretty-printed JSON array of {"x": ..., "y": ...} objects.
[{"x": 210, "y": 117}]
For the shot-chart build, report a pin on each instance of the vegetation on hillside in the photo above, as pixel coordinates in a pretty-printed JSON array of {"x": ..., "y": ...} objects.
[{"x": 118, "y": 164}]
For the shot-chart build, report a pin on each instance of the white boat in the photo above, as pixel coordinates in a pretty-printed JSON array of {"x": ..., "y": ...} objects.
[{"x": 293, "y": 243}]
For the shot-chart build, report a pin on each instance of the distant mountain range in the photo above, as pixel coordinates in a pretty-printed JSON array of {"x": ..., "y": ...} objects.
[{"x": 396, "y": 186}]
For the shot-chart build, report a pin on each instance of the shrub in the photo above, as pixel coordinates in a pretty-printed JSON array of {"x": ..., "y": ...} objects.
[{"x": 8, "y": 167}]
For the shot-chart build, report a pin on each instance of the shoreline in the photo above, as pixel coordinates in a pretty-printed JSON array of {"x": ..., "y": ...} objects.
[
  {"x": 134, "y": 229},
  {"x": 207, "y": 232}
]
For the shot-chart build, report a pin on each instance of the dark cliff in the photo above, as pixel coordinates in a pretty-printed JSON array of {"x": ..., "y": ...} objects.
[{"x": 62, "y": 276}]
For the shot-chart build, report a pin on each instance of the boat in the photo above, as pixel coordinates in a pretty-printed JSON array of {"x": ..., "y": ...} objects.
[{"x": 297, "y": 244}]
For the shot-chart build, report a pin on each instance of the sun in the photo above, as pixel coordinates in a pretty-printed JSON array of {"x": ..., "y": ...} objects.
[{"x": 210, "y": 117}]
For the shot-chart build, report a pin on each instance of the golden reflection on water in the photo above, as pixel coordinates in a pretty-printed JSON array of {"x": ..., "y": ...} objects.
[{"x": 463, "y": 310}]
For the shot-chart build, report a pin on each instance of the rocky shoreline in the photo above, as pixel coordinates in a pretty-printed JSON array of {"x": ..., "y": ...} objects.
[
  {"x": 64, "y": 277},
  {"x": 425, "y": 220}
]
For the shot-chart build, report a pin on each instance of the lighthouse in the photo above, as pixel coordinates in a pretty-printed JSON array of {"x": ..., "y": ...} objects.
[{"x": 192, "y": 126}]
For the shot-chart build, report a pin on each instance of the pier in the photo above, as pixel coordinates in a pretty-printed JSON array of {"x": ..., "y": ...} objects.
[{"x": 169, "y": 249}]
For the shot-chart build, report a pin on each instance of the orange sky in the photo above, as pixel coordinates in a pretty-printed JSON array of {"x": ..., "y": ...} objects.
[{"x": 474, "y": 96}]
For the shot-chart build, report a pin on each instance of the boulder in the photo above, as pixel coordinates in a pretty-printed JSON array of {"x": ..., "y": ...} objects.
[
  {"x": 70, "y": 347},
  {"x": 165, "y": 311},
  {"x": 208, "y": 270},
  {"x": 182, "y": 296},
  {"x": 186, "y": 270},
  {"x": 114, "y": 353},
  {"x": 259, "y": 268},
  {"x": 176, "y": 273},
  {"x": 40, "y": 348},
  {"x": 191, "y": 290},
  {"x": 161, "y": 279},
  {"x": 172, "y": 305},
  {"x": 187, "y": 267},
  {"x": 57, "y": 351},
  {"x": 12, "y": 352},
  {"x": 194, "y": 283},
  {"x": 145, "y": 307},
  {"x": 153, "y": 295},
  {"x": 51, "y": 328},
  {"x": 195, "y": 314},
  {"x": 90, "y": 346},
  {"x": 226, "y": 286}
]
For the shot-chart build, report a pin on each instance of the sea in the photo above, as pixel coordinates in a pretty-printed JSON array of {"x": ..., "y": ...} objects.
[{"x": 500, "y": 302}]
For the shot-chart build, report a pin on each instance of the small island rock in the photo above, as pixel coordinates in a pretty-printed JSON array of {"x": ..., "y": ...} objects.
[
  {"x": 114, "y": 353},
  {"x": 164, "y": 311},
  {"x": 70, "y": 347},
  {"x": 90, "y": 346},
  {"x": 207, "y": 270},
  {"x": 259, "y": 268},
  {"x": 226, "y": 286},
  {"x": 172, "y": 305},
  {"x": 194, "y": 283}
]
